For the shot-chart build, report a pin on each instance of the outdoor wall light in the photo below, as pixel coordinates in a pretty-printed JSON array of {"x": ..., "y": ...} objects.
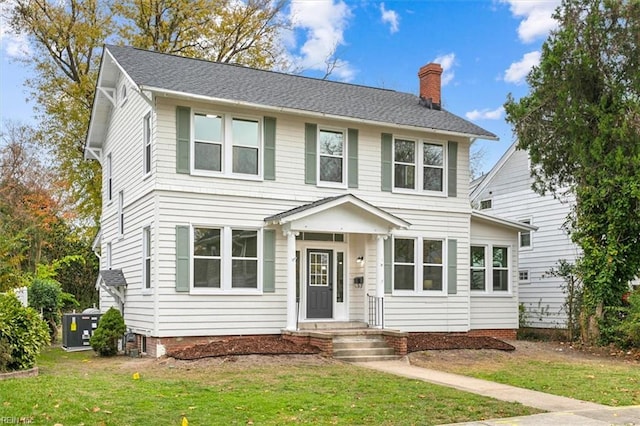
[{"x": 360, "y": 260}]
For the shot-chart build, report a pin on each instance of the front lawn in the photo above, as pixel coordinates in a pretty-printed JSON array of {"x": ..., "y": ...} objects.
[{"x": 79, "y": 388}]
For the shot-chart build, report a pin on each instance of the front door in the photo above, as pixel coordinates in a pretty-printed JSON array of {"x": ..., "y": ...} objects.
[{"x": 319, "y": 283}]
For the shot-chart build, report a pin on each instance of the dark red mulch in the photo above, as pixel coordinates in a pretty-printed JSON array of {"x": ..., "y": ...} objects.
[
  {"x": 244, "y": 345},
  {"x": 431, "y": 341}
]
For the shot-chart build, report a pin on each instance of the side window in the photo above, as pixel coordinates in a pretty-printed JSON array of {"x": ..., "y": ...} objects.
[
  {"x": 331, "y": 155},
  {"x": 146, "y": 257},
  {"x": 244, "y": 259},
  {"x": 404, "y": 263},
  {"x": 108, "y": 172},
  {"x": 146, "y": 124},
  {"x": 485, "y": 204},
  {"x": 121, "y": 213},
  {"x": 432, "y": 264},
  {"x": 525, "y": 236},
  {"x": 478, "y": 268},
  {"x": 500, "y": 270},
  {"x": 404, "y": 164}
]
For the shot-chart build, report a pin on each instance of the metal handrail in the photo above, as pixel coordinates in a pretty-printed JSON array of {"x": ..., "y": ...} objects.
[{"x": 376, "y": 311}]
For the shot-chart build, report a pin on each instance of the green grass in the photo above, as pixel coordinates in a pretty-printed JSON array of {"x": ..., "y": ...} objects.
[
  {"x": 79, "y": 388},
  {"x": 600, "y": 382}
]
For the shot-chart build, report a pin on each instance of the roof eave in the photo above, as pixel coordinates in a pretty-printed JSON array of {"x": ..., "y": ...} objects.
[{"x": 520, "y": 226}]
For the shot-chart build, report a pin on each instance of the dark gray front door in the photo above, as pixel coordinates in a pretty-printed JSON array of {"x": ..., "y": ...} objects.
[{"x": 319, "y": 283}]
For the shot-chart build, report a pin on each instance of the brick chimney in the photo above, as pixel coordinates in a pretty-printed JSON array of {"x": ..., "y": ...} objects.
[{"x": 430, "y": 83}]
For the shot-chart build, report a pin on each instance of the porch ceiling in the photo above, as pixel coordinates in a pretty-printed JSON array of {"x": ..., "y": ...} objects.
[{"x": 343, "y": 214}]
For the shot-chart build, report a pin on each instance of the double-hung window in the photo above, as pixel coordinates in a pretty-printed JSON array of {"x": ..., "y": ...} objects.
[
  {"x": 146, "y": 124},
  {"x": 121, "y": 213},
  {"x": 109, "y": 173},
  {"x": 525, "y": 236},
  {"x": 409, "y": 274},
  {"x": 418, "y": 165},
  {"x": 225, "y": 258},
  {"x": 146, "y": 256},
  {"x": 331, "y": 158},
  {"x": 227, "y": 145},
  {"x": 496, "y": 273}
]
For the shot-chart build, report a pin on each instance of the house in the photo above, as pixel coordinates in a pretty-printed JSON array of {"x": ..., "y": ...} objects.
[
  {"x": 506, "y": 191},
  {"x": 238, "y": 201}
]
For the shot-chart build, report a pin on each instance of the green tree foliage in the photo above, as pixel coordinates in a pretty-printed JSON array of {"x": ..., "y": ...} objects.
[
  {"x": 46, "y": 296},
  {"x": 581, "y": 126},
  {"x": 22, "y": 334},
  {"x": 110, "y": 328}
]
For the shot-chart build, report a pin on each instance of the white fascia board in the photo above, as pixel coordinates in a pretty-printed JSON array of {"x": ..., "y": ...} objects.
[
  {"x": 508, "y": 223},
  {"x": 176, "y": 94}
]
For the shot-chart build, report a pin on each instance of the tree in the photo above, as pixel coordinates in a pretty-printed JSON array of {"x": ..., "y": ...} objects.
[
  {"x": 111, "y": 327},
  {"x": 581, "y": 126}
]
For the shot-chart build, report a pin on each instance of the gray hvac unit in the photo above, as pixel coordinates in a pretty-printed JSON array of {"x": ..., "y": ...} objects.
[{"x": 77, "y": 329}]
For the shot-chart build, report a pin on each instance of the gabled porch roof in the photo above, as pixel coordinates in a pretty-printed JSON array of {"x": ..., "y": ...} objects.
[{"x": 342, "y": 213}]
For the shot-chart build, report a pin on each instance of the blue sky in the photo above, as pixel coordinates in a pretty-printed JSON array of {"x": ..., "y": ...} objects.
[{"x": 486, "y": 47}]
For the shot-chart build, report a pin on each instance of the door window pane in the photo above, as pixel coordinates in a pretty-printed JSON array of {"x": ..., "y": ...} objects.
[{"x": 340, "y": 277}]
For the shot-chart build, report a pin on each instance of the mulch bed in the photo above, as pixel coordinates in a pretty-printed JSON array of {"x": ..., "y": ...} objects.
[
  {"x": 276, "y": 345},
  {"x": 243, "y": 345},
  {"x": 432, "y": 341}
]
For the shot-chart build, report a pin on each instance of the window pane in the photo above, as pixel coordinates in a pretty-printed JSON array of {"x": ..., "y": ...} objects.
[
  {"x": 432, "y": 179},
  {"x": 331, "y": 169},
  {"x": 500, "y": 257},
  {"x": 433, "y": 155},
  {"x": 403, "y": 251},
  {"x": 208, "y": 156},
  {"x": 405, "y": 176},
  {"x": 340, "y": 278},
  {"x": 244, "y": 273},
  {"x": 331, "y": 143},
  {"x": 208, "y": 128},
  {"x": 403, "y": 277},
  {"x": 206, "y": 273},
  {"x": 245, "y": 132},
  {"x": 206, "y": 242},
  {"x": 500, "y": 280},
  {"x": 477, "y": 256},
  {"x": 147, "y": 273},
  {"x": 245, "y": 160},
  {"x": 432, "y": 252},
  {"x": 525, "y": 239},
  {"x": 477, "y": 279},
  {"x": 405, "y": 151},
  {"x": 432, "y": 278},
  {"x": 244, "y": 243}
]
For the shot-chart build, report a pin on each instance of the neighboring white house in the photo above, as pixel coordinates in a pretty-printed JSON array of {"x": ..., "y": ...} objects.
[{"x": 238, "y": 201}]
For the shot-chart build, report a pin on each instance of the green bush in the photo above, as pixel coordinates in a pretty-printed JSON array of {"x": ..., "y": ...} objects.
[
  {"x": 630, "y": 327},
  {"x": 22, "y": 334},
  {"x": 46, "y": 295},
  {"x": 110, "y": 328}
]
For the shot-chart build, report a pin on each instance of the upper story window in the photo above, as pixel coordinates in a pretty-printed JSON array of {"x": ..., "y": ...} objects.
[
  {"x": 497, "y": 274},
  {"x": 418, "y": 165},
  {"x": 525, "y": 236},
  {"x": 109, "y": 177},
  {"x": 120, "y": 213},
  {"x": 123, "y": 94},
  {"x": 226, "y": 144},
  {"x": 108, "y": 260},
  {"x": 331, "y": 155},
  {"x": 415, "y": 275},
  {"x": 146, "y": 125},
  {"x": 485, "y": 204}
]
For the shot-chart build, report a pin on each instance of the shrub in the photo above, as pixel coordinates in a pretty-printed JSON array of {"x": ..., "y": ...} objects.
[
  {"x": 110, "y": 328},
  {"x": 22, "y": 334},
  {"x": 46, "y": 295},
  {"x": 630, "y": 326}
]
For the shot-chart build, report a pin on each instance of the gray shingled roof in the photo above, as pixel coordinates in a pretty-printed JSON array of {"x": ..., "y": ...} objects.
[
  {"x": 279, "y": 90},
  {"x": 302, "y": 208},
  {"x": 113, "y": 277}
]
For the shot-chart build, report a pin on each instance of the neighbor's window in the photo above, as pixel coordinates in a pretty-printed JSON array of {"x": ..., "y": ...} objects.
[
  {"x": 207, "y": 142},
  {"x": 500, "y": 270},
  {"x": 109, "y": 173},
  {"x": 432, "y": 264},
  {"x": 147, "y": 143},
  {"x": 525, "y": 236},
  {"x": 433, "y": 166},
  {"x": 485, "y": 204},
  {"x": 109, "y": 252},
  {"x": 404, "y": 263},
  {"x": 244, "y": 259},
  {"x": 331, "y": 156},
  {"x": 523, "y": 275},
  {"x": 146, "y": 256},
  {"x": 404, "y": 164},
  {"x": 121, "y": 213},
  {"x": 246, "y": 143},
  {"x": 478, "y": 268},
  {"x": 207, "y": 257}
]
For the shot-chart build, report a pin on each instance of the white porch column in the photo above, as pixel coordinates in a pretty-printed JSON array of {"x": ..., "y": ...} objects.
[
  {"x": 380, "y": 265},
  {"x": 291, "y": 281}
]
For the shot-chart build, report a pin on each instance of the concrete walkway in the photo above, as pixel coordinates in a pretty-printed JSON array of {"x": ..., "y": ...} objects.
[{"x": 563, "y": 410}]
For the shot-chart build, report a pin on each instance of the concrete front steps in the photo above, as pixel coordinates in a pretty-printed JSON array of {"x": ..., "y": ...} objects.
[{"x": 351, "y": 341}]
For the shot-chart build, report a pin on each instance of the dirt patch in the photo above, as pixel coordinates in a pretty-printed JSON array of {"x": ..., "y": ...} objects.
[
  {"x": 430, "y": 341},
  {"x": 245, "y": 345}
]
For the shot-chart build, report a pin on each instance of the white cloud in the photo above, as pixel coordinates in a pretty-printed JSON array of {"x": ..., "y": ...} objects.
[
  {"x": 536, "y": 17},
  {"x": 447, "y": 62},
  {"x": 485, "y": 114},
  {"x": 519, "y": 70},
  {"x": 15, "y": 45},
  {"x": 391, "y": 17},
  {"x": 323, "y": 23}
]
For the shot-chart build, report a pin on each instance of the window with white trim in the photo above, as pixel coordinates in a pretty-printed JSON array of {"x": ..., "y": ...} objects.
[
  {"x": 413, "y": 275},
  {"x": 109, "y": 177},
  {"x": 525, "y": 236},
  {"x": 146, "y": 125},
  {"x": 226, "y": 144},
  {"x": 418, "y": 165},
  {"x": 485, "y": 204},
  {"x": 108, "y": 261},
  {"x": 331, "y": 156},
  {"x": 523, "y": 276},
  {"x": 146, "y": 257},
  {"x": 226, "y": 258},
  {"x": 121, "y": 213},
  {"x": 497, "y": 273},
  {"x": 123, "y": 94}
]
